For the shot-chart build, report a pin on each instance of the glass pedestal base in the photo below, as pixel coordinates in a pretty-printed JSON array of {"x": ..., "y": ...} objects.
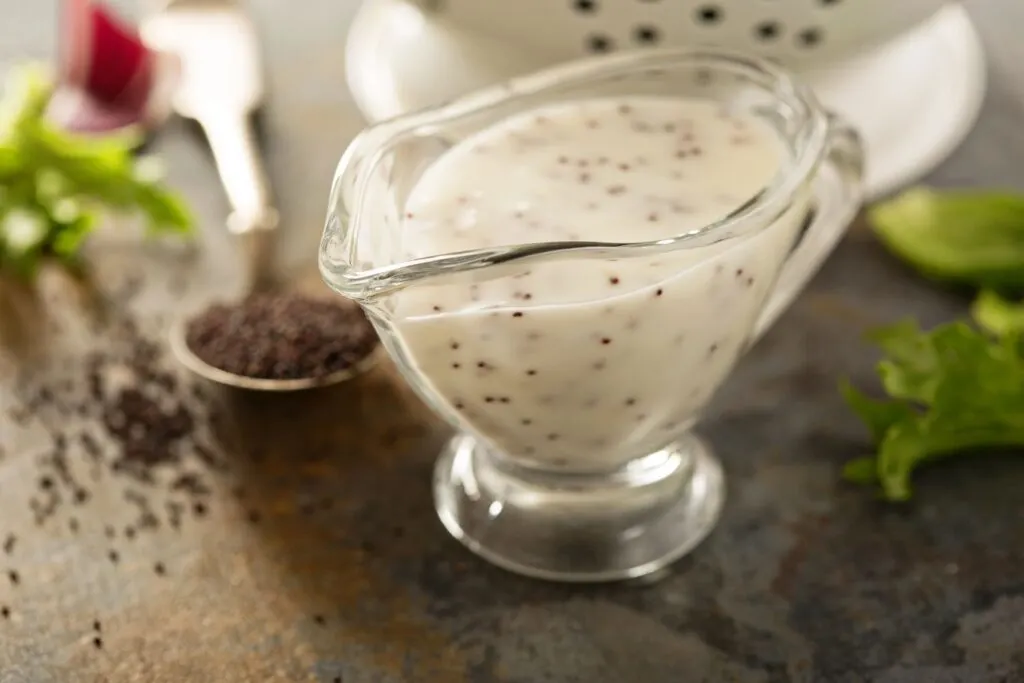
[{"x": 580, "y": 528}]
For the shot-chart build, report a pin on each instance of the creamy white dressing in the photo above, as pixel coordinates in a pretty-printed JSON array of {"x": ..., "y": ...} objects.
[{"x": 577, "y": 363}]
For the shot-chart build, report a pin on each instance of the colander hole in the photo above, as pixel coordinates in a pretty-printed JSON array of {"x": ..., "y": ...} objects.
[
  {"x": 646, "y": 35},
  {"x": 599, "y": 43},
  {"x": 709, "y": 14},
  {"x": 809, "y": 37},
  {"x": 585, "y": 6},
  {"x": 768, "y": 30}
]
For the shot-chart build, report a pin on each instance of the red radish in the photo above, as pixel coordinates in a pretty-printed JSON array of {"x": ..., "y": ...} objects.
[
  {"x": 104, "y": 56},
  {"x": 108, "y": 79}
]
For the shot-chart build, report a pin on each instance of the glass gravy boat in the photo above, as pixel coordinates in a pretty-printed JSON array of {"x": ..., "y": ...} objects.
[{"x": 573, "y": 457}]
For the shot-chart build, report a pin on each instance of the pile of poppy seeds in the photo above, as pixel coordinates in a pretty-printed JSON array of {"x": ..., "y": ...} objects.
[
  {"x": 112, "y": 421},
  {"x": 129, "y": 446},
  {"x": 115, "y": 422},
  {"x": 282, "y": 336}
]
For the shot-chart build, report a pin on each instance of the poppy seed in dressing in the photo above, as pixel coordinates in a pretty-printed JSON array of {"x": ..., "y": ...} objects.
[{"x": 585, "y": 346}]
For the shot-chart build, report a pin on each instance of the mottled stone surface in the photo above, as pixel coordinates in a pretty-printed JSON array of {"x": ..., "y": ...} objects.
[{"x": 292, "y": 539}]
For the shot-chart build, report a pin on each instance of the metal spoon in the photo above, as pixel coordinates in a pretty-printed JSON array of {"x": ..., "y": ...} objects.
[
  {"x": 181, "y": 351},
  {"x": 221, "y": 87}
]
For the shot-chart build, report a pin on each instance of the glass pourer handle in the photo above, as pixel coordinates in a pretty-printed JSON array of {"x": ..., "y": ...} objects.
[{"x": 835, "y": 208}]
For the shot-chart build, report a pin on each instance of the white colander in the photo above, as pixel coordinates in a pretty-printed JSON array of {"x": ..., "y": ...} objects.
[
  {"x": 791, "y": 31},
  {"x": 908, "y": 74}
]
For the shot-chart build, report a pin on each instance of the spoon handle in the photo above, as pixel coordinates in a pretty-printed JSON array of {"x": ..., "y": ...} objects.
[
  {"x": 237, "y": 155},
  {"x": 240, "y": 165}
]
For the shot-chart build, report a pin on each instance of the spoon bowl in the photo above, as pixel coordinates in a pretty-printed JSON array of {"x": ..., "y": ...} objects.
[{"x": 188, "y": 358}]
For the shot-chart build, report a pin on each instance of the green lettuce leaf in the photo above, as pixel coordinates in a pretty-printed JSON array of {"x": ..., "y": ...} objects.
[
  {"x": 954, "y": 389},
  {"x": 967, "y": 237},
  {"x": 54, "y": 184}
]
